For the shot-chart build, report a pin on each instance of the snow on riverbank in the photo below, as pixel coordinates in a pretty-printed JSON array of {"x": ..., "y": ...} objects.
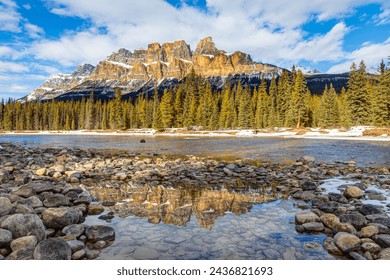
[{"x": 354, "y": 133}]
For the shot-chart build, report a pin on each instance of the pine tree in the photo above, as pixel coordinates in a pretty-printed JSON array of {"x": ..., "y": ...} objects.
[
  {"x": 272, "y": 104},
  {"x": 328, "y": 111},
  {"x": 244, "y": 108},
  {"x": 299, "y": 101},
  {"x": 166, "y": 108}
]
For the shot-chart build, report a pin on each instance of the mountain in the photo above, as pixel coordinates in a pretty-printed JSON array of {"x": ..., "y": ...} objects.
[
  {"x": 161, "y": 65},
  {"x": 164, "y": 66},
  {"x": 307, "y": 70}
]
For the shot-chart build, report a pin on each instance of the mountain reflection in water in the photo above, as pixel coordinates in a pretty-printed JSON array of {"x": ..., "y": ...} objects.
[{"x": 175, "y": 206}]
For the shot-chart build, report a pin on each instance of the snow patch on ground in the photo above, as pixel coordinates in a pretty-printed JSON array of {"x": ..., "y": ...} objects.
[{"x": 333, "y": 185}]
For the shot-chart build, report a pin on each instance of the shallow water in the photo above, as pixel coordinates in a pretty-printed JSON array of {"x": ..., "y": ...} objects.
[{"x": 364, "y": 153}]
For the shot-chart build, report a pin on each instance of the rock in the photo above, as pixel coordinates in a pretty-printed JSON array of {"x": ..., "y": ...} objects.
[
  {"x": 100, "y": 244},
  {"x": 41, "y": 172},
  {"x": 75, "y": 230},
  {"x": 99, "y": 232},
  {"x": 5, "y": 237},
  {"x": 383, "y": 240},
  {"x": 108, "y": 203},
  {"x": 75, "y": 174},
  {"x": 346, "y": 242},
  {"x": 56, "y": 200},
  {"x": 368, "y": 256},
  {"x": 76, "y": 245},
  {"x": 376, "y": 196},
  {"x": 5, "y": 206},
  {"x": 353, "y": 192},
  {"x": 142, "y": 141},
  {"x": 330, "y": 220},
  {"x": 329, "y": 207},
  {"x": 331, "y": 247},
  {"x": 373, "y": 248},
  {"x": 355, "y": 219},
  {"x": 369, "y": 231},
  {"x": 313, "y": 226},
  {"x": 344, "y": 227},
  {"x": 4, "y": 176},
  {"x": 308, "y": 159},
  {"x": 78, "y": 255},
  {"x": 24, "y": 191},
  {"x": 26, "y": 242},
  {"x": 93, "y": 254},
  {"x": 356, "y": 256},
  {"x": 382, "y": 221},
  {"x": 368, "y": 209},
  {"x": 308, "y": 186},
  {"x": 72, "y": 195},
  {"x": 384, "y": 254},
  {"x": 34, "y": 201},
  {"x": 53, "y": 249},
  {"x": 58, "y": 218},
  {"x": 21, "y": 254},
  {"x": 22, "y": 208},
  {"x": 142, "y": 253},
  {"x": 303, "y": 217},
  {"x": 121, "y": 176},
  {"x": 231, "y": 166},
  {"x": 23, "y": 225},
  {"x": 42, "y": 187},
  {"x": 95, "y": 209},
  {"x": 337, "y": 198},
  {"x": 312, "y": 245}
]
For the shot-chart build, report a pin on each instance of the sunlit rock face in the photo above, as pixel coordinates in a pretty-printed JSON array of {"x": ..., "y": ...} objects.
[{"x": 177, "y": 206}]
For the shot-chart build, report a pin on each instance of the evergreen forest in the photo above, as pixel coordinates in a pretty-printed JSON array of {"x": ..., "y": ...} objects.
[{"x": 282, "y": 102}]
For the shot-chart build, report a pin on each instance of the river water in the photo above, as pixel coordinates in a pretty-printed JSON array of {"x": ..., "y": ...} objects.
[
  {"x": 167, "y": 223},
  {"x": 364, "y": 153}
]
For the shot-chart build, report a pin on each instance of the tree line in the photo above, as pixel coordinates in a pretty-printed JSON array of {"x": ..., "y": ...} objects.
[{"x": 283, "y": 102}]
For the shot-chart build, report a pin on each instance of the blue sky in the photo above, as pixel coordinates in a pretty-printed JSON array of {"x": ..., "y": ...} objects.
[{"x": 43, "y": 37}]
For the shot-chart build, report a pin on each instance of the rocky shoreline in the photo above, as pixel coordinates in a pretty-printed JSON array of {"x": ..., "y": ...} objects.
[{"x": 44, "y": 198}]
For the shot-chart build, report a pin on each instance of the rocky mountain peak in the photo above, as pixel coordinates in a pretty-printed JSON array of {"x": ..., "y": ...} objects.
[
  {"x": 121, "y": 56},
  {"x": 83, "y": 70},
  {"x": 206, "y": 46}
]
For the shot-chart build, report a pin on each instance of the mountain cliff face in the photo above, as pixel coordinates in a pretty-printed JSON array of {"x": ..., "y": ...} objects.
[{"x": 142, "y": 70}]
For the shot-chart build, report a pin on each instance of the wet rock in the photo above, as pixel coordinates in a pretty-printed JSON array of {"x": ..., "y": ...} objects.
[
  {"x": 331, "y": 247},
  {"x": 82, "y": 200},
  {"x": 308, "y": 186},
  {"x": 56, "y": 200},
  {"x": 23, "y": 225},
  {"x": 356, "y": 256},
  {"x": 383, "y": 240},
  {"x": 337, "y": 198},
  {"x": 26, "y": 242},
  {"x": 75, "y": 230},
  {"x": 330, "y": 220},
  {"x": 99, "y": 232},
  {"x": 93, "y": 254},
  {"x": 21, "y": 254},
  {"x": 24, "y": 191},
  {"x": 346, "y": 242},
  {"x": 58, "y": 218},
  {"x": 368, "y": 209},
  {"x": 100, "y": 244},
  {"x": 355, "y": 219},
  {"x": 76, "y": 245},
  {"x": 313, "y": 226},
  {"x": 371, "y": 247},
  {"x": 72, "y": 195},
  {"x": 384, "y": 254},
  {"x": 53, "y": 249},
  {"x": 353, "y": 192},
  {"x": 303, "y": 217},
  {"x": 369, "y": 231},
  {"x": 79, "y": 255},
  {"x": 5, "y": 237},
  {"x": 329, "y": 207},
  {"x": 95, "y": 209},
  {"x": 5, "y": 206},
  {"x": 344, "y": 227},
  {"x": 376, "y": 196}
]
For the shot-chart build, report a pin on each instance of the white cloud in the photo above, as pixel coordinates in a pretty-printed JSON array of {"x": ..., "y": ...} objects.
[
  {"x": 33, "y": 30},
  {"x": 371, "y": 53},
  {"x": 6, "y": 66},
  {"x": 5, "y": 51},
  {"x": 9, "y": 17},
  {"x": 27, "y": 6}
]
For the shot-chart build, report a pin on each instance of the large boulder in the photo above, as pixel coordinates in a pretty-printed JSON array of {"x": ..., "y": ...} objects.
[
  {"x": 347, "y": 242},
  {"x": 53, "y": 249},
  {"x": 353, "y": 192},
  {"x": 5, "y": 206},
  {"x": 5, "y": 237},
  {"x": 100, "y": 233},
  {"x": 23, "y": 225},
  {"x": 58, "y": 218},
  {"x": 303, "y": 217},
  {"x": 56, "y": 200}
]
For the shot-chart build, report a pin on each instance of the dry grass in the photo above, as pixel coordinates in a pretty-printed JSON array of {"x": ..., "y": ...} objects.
[{"x": 377, "y": 131}]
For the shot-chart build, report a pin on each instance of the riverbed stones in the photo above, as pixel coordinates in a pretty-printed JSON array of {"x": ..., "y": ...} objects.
[
  {"x": 76, "y": 245},
  {"x": 24, "y": 191},
  {"x": 384, "y": 254},
  {"x": 302, "y": 217},
  {"x": 53, "y": 249},
  {"x": 313, "y": 226},
  {"x": 75, "y": 230},
  {"x": 56, "y": 200},
  {"x": 5, "y": 206},
  {"x": 78, "y": 255},
  {"x": 369, "y": 231},
  {"x": 27, "y": 242},
  {"x": 5, "y": 237},
  {"x": 371, "y": 247},
  {"x": 331, "y": 247},
  {"x": 93, "y": 254},
  {"x": 58, "y": 218},
  {"x": 346, "y": 242},
  {"x": 21, "y": 254},
  {"x": 368, "y": 209},
  {"x": 23, "y": 225},
  {"x": 95, "y": 209},
  {"x": 383, "y": 240},
  {"x": 355, "y": 219},
  {"x": 344, "y": 227},
  {"x": 100, "y": 233},
  {"x": 41, "y": 172},
  {"x": 353, "y": 192},
  {"x": 330, "y": 220}
]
